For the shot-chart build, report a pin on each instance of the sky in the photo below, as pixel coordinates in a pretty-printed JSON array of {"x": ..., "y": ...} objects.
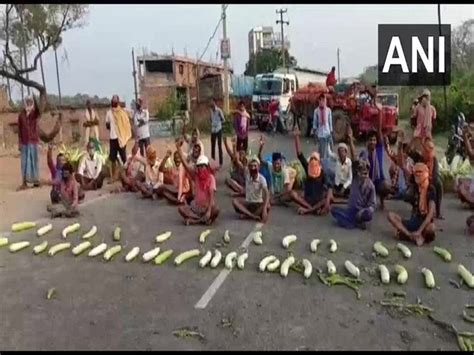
[{"x": 99, "y": 59}]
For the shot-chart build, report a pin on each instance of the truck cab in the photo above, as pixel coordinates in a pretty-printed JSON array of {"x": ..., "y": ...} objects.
[{"x": 268, "y": 87}]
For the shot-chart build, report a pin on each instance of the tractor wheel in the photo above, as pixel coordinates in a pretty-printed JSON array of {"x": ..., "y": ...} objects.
[{"x": 340, "y": 122}]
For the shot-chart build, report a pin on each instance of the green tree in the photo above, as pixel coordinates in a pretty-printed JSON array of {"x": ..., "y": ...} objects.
[
  {"x": 36, "y": 28},
  {"x": 369, "y": 76},
  {"x": 267, "y": 60}
]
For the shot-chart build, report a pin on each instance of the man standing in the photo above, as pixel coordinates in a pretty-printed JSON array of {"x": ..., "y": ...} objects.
[
  {"x": 322, "y": 127},
  {"x": 91, "y": 122},
  {"x": 241, "y": 126},
  {"x": 118, "y": 123},
  {"x": 90, "y": 174},
  {"x": 28, "y": 143},
  {"x": 331, "y": 79},
  {"x": 141, "y": 117},
  {"x": 217, "y": 118},
  {"x": 425, "y": 114}
]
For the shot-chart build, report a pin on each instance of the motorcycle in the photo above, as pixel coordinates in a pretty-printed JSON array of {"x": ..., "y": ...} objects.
[{"x": 456, "y": 141}]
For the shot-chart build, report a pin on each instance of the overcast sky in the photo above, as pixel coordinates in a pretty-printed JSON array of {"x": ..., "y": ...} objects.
[{"x": 99, "y": 54}]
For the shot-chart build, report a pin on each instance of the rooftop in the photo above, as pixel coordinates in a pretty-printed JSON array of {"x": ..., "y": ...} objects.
[{"x": 179, "y": 59}]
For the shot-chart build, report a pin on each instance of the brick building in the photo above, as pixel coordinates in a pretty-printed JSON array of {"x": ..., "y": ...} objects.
[{"x": 162, "y": 75}]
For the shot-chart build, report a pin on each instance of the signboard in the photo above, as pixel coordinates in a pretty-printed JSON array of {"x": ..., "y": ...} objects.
[{"x": 225, "y": 49}]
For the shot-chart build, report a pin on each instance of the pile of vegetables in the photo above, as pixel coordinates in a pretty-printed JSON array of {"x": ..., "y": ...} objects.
[
  {"x": 449, "y": 172},
  {"x": 300, "y": 173},
  {"x": 73, "y": 155}
]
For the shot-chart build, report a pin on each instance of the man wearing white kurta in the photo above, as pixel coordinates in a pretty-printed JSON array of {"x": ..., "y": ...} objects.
[{"x": 91, "y": 122}]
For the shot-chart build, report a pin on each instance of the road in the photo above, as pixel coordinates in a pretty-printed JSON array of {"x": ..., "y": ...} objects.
[{"x": 137, "y": 306}]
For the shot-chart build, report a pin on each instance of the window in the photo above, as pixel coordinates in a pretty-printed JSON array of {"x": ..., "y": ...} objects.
[
  {"x": 181, "y": 69},
  {"x": 286, "y": 86},
  {"x": 159, "y": 66}
]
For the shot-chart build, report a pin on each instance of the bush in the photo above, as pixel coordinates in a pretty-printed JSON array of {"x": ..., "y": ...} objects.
[{"x": 169, "y": 108}]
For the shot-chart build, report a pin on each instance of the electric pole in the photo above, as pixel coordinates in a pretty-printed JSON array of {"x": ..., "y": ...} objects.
[
  {"x": 134, "y": 73},
  {"x": 281, "y": 22},
  {"x": 226, "y": 64},
  {"x": 338, "y": 67},
  {"x": 57, "y": 75}
]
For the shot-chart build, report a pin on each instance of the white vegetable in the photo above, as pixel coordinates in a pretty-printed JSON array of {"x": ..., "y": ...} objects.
[
  {"x": 132, "y": 254},
  {"x": 241, "y": 260},
  {"x": 3, "y": 241},
  {"x": 205, "y": 259},
  {"x": 314, "y": 245},
  {"x": 109, "y": 254},
  {"x": 380, "y": 249},
  {"x": 98, "y": 250},
  {"x": 352, "y": 269},
  {"x": 80, "y": 248},
  {"x": 40, "y": 248},
  {"x": 333, "y": 246},
  {"x": 91, "y": 233},
  {"x": 230, "y": 260},
  {"x": 404, "y": 249},
  {"x": 402, "y": 274},
  {"x": 466, "y": 275},
  {"x": 151, "y": 254},
  {"x": 43, "y": 230},
  {"x": 265, "y": 261},
  {"x": 203, "y": 235},
  {"x": 331, "y": 267},
  {"x": 57, "y": 248},
  {"x": 273, "y": 265},
  {"x": 288, "y": 240},
  {"x": 162, "y": 237},
  {"x": 308, "y": 268},
  {"x": 285, "y": 266},
  {"x": 257, "y": 238},
  {"x": 70, "y": 229},
  {"x": 226, "y": 237},
  {"x": 186, "y": 255},
  {"x": 429, "y": 278},
  {"x": 384, "y": 274},
  {"x": 216, "y": 259}
]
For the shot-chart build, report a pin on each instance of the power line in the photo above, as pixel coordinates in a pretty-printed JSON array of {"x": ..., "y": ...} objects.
[{"x": 212, "y": 36}]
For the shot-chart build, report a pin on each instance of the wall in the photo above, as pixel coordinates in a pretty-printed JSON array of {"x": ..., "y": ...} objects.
[{"x": 72, "y": 122}]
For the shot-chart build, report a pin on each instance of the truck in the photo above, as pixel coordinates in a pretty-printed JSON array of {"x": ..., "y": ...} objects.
[{"x": 280, "y": 86}]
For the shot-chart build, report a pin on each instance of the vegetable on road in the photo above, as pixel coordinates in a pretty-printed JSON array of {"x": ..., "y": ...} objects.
[
  {"x": 429, "y": 278},
  {"x": 43, "y": 230},
  {"x": 80, "y": 248},
  {"x": 14, "y": 247},
  {"x": 90, "y": 233},
  {"x": 446, "y": 255},
  {"x": 313, "y": 246},
  {"x": 380, "y": 249},
  {"x": 58, "y": 248},
  {"x": 186, "y": 255},
  {"x": 70, "y": 229},
  {"x": 22, "y": 226},
  {"x": 265, "y": 261},
  {"x": 132, "y": 254},
  {"x": 161, "y": 258},
  {"x": 286, "y": 242},
  {"x": 204, "y": 235},
  {"x": 405, "y": 250},
  {"x": 38, "y": 249},
  {"x": 402, "y": 274},
  {"x": 162, "y": 237}
]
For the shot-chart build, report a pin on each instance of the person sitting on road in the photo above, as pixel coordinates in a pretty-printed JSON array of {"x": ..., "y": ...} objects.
[
  {"x": 343, "y": 171},
  {"x": 56, "y": 170},
  {"x": 89, "y": 173},
  {"x": 317, "y": 192},
  {"x": 465, "y": 186},
  {"x": 281, "y": 183},
  {"x": 256, "y": 204},
  {"x": 192, "y": 141},
  {"x": 71, "y": 194},
  {"x": 374, "y": 153},
  {"x": 132, "y": 172},
  {"x": 236, "y": 181},
  {"x": 150, "y": 188},
  {"x": 361, "y": 204},
  {"x": 203, "y": 208},
  {"x": 176, "y": 189},
  {"x": 429, "y": 158},
  {"x": 420, "y": 228}
]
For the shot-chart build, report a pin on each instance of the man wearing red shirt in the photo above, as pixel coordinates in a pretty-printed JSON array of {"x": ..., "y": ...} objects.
[{"x": 331, "y": 79}]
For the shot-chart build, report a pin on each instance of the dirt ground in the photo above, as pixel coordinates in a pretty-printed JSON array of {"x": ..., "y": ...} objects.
[{"x": 137, "y": 306}]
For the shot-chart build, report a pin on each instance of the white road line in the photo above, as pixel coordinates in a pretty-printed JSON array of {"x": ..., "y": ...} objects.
[
  {"x": 219, "y": 280},
  {"x": 45, "y": 219}
]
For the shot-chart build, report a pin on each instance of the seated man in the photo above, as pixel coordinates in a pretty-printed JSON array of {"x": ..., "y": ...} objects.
[
  {"x": 317, "y": 194},
  {"x": 132, "y": 171},
  {"x": 465, "y": 186},
  {"x": 71, "y": 195},
  {"x": 420, "y": 228},
  {"x": 343, "y": 171},
  {"x": 56, "y": 170},
  {"x": 281, "y": 183},
  {"x": 176, "y": 189},
  {"x": 151, "y": 187},
  {"x": 236, "y": 181},
  {"x": 256, "y": 204},
  {"x": 89, "y": 173},
  {"x": 361, "y": 204},
  {"x": 203, "y": 208}
]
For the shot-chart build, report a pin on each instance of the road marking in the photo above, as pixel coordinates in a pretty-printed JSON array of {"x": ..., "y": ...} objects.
[
  {"x": 45, "y": 219},
  {"x": 219, "y": 280}
]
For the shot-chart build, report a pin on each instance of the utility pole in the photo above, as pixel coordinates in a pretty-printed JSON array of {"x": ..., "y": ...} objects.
[
  {"x": 338, "y": 67},
  {"x": 281, "y": 22},
  {"x": 134, "y": 73},
  {"x": 57, "y": 75},
  {"x": 226, "y": 57}
]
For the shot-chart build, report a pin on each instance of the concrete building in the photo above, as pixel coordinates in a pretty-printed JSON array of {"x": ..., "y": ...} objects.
[
  {"x": 263, "y": 37},
  {"x": 162, "y": 75}
]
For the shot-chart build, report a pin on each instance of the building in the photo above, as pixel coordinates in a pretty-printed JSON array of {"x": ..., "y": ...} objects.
[
  {"x": 263, "y": 37},
  {"x": 162, "y": 75}
]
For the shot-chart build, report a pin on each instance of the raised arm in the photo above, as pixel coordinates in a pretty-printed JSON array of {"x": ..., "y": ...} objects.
[
  {"x": 467, "y": 142},
  {"x": 297, "y": 141},
  {"x": 179, "y": 145},
  {"x": 228, "y": 149},
  {"x": 260, "y": 149},
  {"x": 388, "y": 149},
  {"x": 51, "y": 165}
]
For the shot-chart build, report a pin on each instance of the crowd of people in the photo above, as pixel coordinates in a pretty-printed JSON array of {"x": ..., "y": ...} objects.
[{"x": 187, "y": 178}]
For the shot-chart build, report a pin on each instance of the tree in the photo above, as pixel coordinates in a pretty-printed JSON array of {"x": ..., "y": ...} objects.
[
  {"x": 369, "y": 76},
  {"x": 462, "y": 47},
  {"x": 35, "y": 28},
  {"x": 267, "y": 60}
]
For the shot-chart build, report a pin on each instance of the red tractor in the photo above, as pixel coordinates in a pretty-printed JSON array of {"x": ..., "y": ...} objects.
[{"x": 352, "y": 104}]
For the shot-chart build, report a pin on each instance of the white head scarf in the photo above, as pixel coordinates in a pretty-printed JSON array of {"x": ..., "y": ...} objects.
[{"x": 29, "y": 107}]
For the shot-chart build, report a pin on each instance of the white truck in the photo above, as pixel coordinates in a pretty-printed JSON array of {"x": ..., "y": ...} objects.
[{"x": 279, "y": 86}]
